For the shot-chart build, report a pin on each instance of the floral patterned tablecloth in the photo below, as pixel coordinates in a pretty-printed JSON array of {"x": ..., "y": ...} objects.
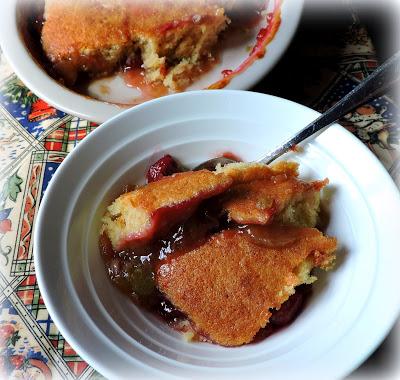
[{"x": 35, "y": 138}]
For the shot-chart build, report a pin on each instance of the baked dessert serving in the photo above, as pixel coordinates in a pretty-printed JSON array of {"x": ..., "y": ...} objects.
[
  {"x": 171, "y": 40},
  {"x": 225, "y": 256}
]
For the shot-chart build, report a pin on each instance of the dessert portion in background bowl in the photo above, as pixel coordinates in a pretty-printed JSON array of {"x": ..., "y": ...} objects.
[
  {"x": 157, "y": 47},
  {"x": 225, "y": 256},
  {"x": 170, "y": 40}
]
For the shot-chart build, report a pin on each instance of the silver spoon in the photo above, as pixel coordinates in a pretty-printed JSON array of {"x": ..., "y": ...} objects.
[{"x": 384, "y": 76}]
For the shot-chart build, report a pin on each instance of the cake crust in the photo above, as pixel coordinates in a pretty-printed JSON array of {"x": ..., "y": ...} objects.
[
  {"x": 228, "y": 285},
  {"x": 259, "y": 201},
  {"x": 243, "y": 172}
]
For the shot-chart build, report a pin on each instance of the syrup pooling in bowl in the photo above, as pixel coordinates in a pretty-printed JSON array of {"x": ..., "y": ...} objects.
[{"x": 133, "y": 270}]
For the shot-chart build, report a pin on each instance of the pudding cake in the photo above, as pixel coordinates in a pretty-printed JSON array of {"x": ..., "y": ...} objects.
[
  {"x": 228, "y": 285},
  {"x": 142, "y": 214},
  {"x": 263, "y": 193},
  {"x": 171, "y": 39},
  {"x": 290, "y": 200},
  {"x": 218, "y": 254}
]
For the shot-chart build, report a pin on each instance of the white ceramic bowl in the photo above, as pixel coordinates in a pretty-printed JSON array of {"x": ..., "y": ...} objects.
[
  {"x": 352, "y": 308},
  {"x": 32, "y": 74}
]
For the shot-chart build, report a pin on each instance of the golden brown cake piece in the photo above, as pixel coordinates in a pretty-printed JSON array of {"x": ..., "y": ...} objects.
[
  {"x": 283, "y": 198},
  {"x": 228, "y": 285},
  {"x": 95, "y": 36},
  {"x": 142, "y": 214},
  {"x": 85, "y": 36},
  {"x": 242, "y": 172}
]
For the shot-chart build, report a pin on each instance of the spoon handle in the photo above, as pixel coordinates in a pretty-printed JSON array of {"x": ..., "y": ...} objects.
[{"x": 372, "y": 86}]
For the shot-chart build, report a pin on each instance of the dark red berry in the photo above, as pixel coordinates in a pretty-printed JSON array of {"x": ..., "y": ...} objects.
[
  {"x": 165, "y": 166},
  {"x": 290, "y": 309}
]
